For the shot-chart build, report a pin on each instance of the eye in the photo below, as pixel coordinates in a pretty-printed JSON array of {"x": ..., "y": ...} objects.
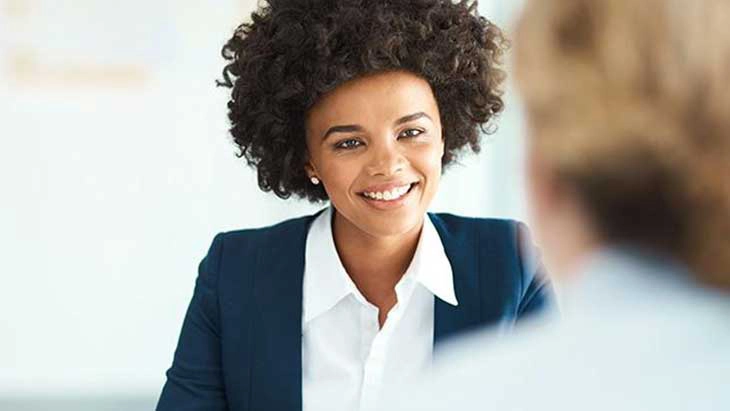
[
  {"x": 348, "y": 144},
  {"x": 411, "y": 132}
]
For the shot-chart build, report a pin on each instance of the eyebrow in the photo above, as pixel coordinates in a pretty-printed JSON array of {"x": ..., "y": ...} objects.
[
  {"x": 342, "y": 129},
  {"x": 411, "y": 117},
  {"x": 350, "y": 128}
]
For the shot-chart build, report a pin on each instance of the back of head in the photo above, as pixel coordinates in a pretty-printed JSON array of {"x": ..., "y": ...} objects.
[{"x": 629, "y": 103}]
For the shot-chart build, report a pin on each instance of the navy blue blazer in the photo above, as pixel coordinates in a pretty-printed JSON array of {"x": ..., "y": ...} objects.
[{"x": 240, "y": 346}]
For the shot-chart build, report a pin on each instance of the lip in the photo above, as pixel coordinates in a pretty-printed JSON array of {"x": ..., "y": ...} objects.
[
  {"x": 390, "y": 204},
  {"x": 385, "y": 186}
]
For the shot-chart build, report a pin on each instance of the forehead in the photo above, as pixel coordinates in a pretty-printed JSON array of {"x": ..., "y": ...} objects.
[{"x": 381, "y": 97}]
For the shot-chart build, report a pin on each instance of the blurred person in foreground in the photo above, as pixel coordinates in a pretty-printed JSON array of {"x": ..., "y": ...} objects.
[{"x": 628, "y": 106}]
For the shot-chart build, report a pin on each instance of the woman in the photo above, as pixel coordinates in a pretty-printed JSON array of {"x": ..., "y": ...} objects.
[
  {"x": 361, "y": 103},
  {"x": 628, "y": 108}
]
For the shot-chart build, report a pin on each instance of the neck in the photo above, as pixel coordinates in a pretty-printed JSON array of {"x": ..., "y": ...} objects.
[{"x": 375, "y": 263}]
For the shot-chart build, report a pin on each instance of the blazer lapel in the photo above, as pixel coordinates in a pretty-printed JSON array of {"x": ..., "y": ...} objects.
[
  {"x": 276, "y": 355},
  {"x": 461, "y": 252}
]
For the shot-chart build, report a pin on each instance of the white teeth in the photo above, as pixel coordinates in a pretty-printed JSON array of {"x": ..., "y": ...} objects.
[{"x": 393, "y": 194}]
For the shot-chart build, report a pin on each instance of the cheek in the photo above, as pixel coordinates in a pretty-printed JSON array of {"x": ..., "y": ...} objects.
[
  {"x": 429, "y": 160},
  {"x": 339, "y": 175}
]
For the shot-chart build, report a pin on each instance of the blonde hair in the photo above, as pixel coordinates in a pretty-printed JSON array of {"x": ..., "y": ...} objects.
[{"x": 629, "y": 102}]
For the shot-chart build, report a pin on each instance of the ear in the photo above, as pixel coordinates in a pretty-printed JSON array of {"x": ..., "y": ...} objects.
[
  {"x": 309, "y": 166},
  {"x": 310, "y": 169},
  {"x": 547, "y": 189},
  {"x": 544, "y": 188},
  {"x": 560, "y": 222}
]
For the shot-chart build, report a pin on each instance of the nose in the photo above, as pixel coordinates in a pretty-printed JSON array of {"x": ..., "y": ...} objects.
[{"x": 386, "y": 160}]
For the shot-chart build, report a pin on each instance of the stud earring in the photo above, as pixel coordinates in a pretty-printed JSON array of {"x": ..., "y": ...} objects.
[{"x": 314, "y": 180}]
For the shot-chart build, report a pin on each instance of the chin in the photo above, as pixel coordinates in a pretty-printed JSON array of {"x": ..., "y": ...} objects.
[{"x": 393, "y": 225}]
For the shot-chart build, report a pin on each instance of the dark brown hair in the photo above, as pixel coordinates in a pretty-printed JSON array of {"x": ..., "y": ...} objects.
[{"x": 294, "y": 51}]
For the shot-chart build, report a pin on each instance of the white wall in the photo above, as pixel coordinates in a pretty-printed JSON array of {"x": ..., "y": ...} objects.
[{"x": 116, "y": 172}]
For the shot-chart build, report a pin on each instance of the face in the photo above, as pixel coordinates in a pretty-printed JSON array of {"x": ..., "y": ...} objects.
[{"x": 375, "y": 144}]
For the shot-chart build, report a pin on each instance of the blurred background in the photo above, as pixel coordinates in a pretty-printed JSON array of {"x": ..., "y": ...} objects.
[{"x": 117, "y": 171}]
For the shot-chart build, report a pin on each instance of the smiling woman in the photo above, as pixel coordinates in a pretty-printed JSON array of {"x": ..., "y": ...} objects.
[
  {"x": 361, "y": 103},
  {"x": 381, "y": 170}
]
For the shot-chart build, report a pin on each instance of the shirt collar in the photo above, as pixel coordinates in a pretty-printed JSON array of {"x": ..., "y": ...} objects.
[
  {"x": 430, "y": 266},
  {"x": 326, "y": 282}
]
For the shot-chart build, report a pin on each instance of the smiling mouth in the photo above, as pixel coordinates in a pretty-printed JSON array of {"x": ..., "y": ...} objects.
[{"x": 393, "y": 194}]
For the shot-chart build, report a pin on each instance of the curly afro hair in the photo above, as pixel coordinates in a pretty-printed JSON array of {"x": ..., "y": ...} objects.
[{"x": 294, "y": 51}]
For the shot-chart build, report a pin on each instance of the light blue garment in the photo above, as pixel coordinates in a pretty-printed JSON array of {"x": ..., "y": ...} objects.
[{"x": 637, "y": 334}]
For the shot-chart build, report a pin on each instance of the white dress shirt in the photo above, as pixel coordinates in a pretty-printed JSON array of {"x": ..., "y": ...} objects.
[
  {"x": 348, "y": 362},
  {"x": 637, "y": 334}
]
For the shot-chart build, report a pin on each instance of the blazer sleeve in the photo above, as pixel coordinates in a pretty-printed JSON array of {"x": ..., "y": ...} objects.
[
  {"x": 194, "y": 381},
  {"x": 538, "y": 295}
]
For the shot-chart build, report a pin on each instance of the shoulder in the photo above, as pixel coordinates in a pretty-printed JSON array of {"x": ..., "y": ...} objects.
[
  {"x": 278, "y": 231},
  {"x": 494, "y": 229},
  {"x": 240, "y": 245},
  {"x": 504, "y": 249},
  {"x": 236, "y": 257}
]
